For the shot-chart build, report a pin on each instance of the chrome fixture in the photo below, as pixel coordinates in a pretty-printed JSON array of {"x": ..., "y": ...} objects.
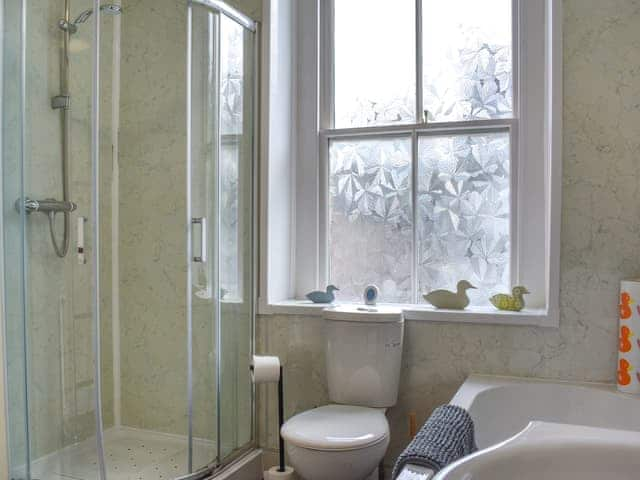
[
  {"x": 62, "y": 102},
  {"x": 202, "y": 221},
  {"x": 222, "y": 7},
  {"x": 48, "y": 206},
  {"x": 72, "y": 27}
]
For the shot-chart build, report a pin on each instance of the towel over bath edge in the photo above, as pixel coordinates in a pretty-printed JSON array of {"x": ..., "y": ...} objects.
[{"x": 446, "y": 436}]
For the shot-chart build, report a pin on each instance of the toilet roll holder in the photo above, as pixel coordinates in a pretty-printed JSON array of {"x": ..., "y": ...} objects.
[{"x": 282, "y": 468}]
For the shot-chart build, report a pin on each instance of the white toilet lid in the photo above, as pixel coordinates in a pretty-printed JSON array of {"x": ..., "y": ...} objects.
[{"x": 336, "y": 427}]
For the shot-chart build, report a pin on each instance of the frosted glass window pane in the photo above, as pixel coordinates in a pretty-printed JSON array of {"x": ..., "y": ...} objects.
[
  {"x": 374, "y": 62},
  {"x": 370, "y": 238},
  {"x": 463, "y": 213},
  {"x": 467, "y": 68}
]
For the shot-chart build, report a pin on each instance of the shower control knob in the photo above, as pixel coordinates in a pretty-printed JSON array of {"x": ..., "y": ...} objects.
[{"x": 48, "y": 205}]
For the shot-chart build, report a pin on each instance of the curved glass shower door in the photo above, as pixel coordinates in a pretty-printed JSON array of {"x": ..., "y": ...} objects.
[
  {"x": 221, "y": 186},
  {"x": 46, "y": 183}
]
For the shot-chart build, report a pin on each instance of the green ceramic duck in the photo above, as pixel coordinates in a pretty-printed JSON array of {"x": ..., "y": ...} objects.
[
  {"x": 323, "y": 297},
  {"x": 513, "y": 302},
  {"x": 450, "y": 300}
]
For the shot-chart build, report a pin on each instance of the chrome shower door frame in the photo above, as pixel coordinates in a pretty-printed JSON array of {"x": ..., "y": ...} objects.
[
  {"x": 220, "y": 8},
  {"x": 18, "y": 382},
  {"x": 95, "y": 252}
]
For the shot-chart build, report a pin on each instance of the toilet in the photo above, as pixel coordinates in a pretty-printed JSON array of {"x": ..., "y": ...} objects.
[{"x": 347, "y": 439}]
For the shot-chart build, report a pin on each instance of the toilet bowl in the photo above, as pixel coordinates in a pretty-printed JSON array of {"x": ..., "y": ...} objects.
[
  {"x": 347, "y": 439},
  {"x": 336, "y": 442}
]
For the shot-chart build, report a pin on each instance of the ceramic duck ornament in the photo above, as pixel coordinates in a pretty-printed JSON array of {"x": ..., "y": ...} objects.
[
  {"x": 323, "y": 297},
  {"x": 513, "y": 302},
  {"x": 450, "y": 300}
]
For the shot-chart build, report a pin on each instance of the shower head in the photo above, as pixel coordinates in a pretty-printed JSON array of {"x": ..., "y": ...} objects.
[
  {"x": 108, "y": 8},
  {"x": 72, "y": 27}
]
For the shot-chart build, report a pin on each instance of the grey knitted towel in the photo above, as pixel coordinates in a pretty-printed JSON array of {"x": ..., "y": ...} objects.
[{"x": 445, "y": 437}]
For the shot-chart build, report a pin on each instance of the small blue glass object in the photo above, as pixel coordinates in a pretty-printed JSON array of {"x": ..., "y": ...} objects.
[{"x": 371, "y": 293}]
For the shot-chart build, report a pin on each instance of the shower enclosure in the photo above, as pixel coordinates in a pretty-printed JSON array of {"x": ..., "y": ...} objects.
[{"x": 127, "y": 237}]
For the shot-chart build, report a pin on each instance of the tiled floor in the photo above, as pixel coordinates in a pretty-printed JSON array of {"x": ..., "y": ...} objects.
[{"x": 130, "y": 454}]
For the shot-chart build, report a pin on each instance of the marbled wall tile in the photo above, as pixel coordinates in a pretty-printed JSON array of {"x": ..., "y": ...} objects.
[
  {"x": 252, "y": 8},
  {"x": 152, "y": 206},
  {"x": 298, "y": 343}
]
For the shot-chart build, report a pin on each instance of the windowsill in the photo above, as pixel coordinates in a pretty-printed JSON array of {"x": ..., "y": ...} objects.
[{"x": 478, "y": 315}]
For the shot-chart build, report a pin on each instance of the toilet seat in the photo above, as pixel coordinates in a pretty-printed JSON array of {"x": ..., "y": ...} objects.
[{"x": 337, "y": 428}]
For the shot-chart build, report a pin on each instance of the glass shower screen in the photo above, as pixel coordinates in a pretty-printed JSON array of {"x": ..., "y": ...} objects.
[
  {"x": 122, "y": 360},
  {"x": 220, "y": 195}
]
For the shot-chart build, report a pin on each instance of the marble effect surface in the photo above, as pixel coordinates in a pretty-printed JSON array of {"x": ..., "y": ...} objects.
[
  {"x": 152, "y": 243},
  {"x": 600, "y": 227}
]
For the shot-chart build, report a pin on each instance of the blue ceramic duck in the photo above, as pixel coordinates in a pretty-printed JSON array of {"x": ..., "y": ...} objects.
[{"x": 323, "y": 297}]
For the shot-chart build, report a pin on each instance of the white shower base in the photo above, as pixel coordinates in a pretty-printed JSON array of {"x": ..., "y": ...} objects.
[{"x": 130, "y": 454}]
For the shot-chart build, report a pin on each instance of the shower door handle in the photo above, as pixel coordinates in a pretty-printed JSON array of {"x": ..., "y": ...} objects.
[{"x": 202, "y": 221}]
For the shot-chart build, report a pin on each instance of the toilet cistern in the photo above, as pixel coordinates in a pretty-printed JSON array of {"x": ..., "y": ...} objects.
[{"x": 348, "y": 438}]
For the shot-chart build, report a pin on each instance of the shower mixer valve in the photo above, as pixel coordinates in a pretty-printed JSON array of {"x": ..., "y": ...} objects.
[{"x": 48, "y": 205}]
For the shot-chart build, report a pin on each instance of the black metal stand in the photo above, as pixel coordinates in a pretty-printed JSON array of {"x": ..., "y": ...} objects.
[{"x": 281, "y": 419}]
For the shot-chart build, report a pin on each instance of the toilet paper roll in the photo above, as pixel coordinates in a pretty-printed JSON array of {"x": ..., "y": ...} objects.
[
  {"x": 265, "y": 369},
  {"x": 629, "y": 337},
  {"x": 274, "y": 474}
]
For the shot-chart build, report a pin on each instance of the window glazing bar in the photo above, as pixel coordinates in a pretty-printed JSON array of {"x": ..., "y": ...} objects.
[
  {"x": 443, "y": 128},
  {"x": 227, "y": 10},
  {"x": 415, "y": 255}
]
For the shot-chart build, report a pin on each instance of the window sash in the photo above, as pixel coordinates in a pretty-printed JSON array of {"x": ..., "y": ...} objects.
[
  {"x": 498, "y": 126},
  {"x": 416, "y": 130},
  {"x": 327, "y": 70}
]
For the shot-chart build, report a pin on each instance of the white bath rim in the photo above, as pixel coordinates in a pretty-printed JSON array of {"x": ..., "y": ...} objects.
[{"x": 585, "y": 394}]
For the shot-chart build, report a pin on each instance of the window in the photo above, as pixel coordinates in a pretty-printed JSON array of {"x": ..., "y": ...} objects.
[
  {"x": 425, "y": 150},
  {"x": 413, "y": 209}
]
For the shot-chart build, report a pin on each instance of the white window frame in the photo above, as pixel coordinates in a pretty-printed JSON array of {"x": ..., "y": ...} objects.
[{"x": 297, "y": 47}]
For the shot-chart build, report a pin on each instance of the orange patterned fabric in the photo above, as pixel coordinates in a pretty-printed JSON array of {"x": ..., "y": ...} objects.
[
  {"x": 625, "y": 306},
  {"x": 623, "y": 372}
]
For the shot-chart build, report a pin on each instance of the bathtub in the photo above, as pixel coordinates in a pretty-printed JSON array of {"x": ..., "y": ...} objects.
[{"x": 502, "y": 407}]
